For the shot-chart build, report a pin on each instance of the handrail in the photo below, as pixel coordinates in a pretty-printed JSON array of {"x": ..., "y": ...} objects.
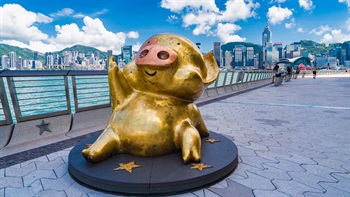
[{"x": 73, "y": 87}]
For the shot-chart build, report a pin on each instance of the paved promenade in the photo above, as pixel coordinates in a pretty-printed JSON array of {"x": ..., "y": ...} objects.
[{"x": 293, "y": 140}]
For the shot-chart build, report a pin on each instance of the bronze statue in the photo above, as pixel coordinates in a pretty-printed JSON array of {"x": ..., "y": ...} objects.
[{"x": 153, "y": 101}]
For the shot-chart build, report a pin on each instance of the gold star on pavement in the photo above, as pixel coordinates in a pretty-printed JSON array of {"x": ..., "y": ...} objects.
[
  {"x": 43, "y": 127},
  {"x": 200, "y": 166},
  {"x": 128, "y": 167},
  {"x": 212, "y": 140}
]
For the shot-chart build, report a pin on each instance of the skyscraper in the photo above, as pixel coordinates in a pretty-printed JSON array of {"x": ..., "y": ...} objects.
[
  {"x": 109, "y": 54},
  {"x": 217, "y": 52},
  {"x": 228, "y": 59},
  {"x": 12, "y": 59},
  {"x": 239, "y": 56},
  {"x": 279, "y": 48},
  {"x": 348, "y": 51},
  {"x": 127, "y": 53},
  {"x": 4, "y": 61},
  {"x": 266, "y": 36},
  {"x": 250, "y": 56},
  {"x": 35, "y": 56}
]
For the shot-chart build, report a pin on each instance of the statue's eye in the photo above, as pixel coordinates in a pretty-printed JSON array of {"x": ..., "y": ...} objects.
[
  {"x": 143, "y": 53},
  {"x": 163, "y": 55}
]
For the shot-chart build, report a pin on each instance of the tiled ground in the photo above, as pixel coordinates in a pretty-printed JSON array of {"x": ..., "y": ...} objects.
[{"x": 293, "y": 140}]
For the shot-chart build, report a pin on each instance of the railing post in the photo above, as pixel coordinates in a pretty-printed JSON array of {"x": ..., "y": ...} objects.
[
  {"x": 75, "y": 95},
  {"x": 5, "y": 103},
  {"x": 66, "y": 88},
  {"x": 14, "y": 98}
]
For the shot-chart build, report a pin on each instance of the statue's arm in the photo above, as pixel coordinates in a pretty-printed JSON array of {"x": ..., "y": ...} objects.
[{"x": 119, "y": 87}]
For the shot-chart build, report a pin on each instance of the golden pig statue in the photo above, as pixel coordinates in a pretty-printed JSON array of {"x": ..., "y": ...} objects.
[{"x": 153, "y": 101}]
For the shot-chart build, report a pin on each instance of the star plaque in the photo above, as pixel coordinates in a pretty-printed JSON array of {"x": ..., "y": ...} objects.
[
  {"x": 44, "y": 127},
  {"x": 212, "y": 140},
  {"x": 200, "y": 166},
  {"x": 128, "y": 166}
]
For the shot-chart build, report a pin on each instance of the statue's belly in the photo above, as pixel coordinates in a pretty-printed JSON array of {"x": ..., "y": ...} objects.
[{"x": 144, "y": 132}]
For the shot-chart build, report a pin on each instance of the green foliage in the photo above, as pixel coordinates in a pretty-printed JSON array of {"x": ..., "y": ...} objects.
[
  {"x": 29, "y": 54},
  {"x": 320, "y": 49},
  {"x": 84, "y": 49},
  {"x": 20, "y": 52}
]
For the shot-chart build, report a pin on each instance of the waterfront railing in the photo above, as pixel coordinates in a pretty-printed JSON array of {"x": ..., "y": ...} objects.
[{"x": 31, "y": 95}]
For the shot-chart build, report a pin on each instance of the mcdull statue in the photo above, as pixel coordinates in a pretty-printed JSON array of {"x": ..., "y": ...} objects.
[{"x": 153, "y": 101}]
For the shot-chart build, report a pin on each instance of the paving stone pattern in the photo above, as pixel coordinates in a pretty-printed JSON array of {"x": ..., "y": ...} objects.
[{"x": 293, "y": 140}]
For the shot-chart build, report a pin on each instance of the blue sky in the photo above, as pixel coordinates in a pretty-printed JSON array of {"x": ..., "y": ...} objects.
[{"x": 52, "y": 25}]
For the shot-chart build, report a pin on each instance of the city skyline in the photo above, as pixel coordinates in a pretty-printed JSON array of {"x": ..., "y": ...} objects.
[{"x": 109, "y": 25}]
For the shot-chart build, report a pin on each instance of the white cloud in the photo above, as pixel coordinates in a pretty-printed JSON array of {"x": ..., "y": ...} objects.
[
  {"x": 226, "y": 33},
  {"x": 136, "y": 47},
  {"x": 277, "y": 1},
  {"x": 347, "y": 2},
  {"x": 133, "y": 34},
  {"x": 306, "y": 4},
  {"x": 19, "y": 29},
  {"x": 99, "y": 13},
  {"x": 18, "y": 23},
  {"x": 68, "y": 12},
  {"x": 276, "y": 15},
  {"x": 238, "y": 10},
  {"x": 93, "y": 33},
  {"x": 291, "y": 24},
  {"x": 320, "y": 30},
  {"x": 203, "y": 21},
  {"x": 206, "y": 18},
  {"x": 300, "y": 30},
  {"x": 63, "y": 13},
  {"x": 178, "y": 6},
  {"x": 347, "y": 25},
  {"x": 335, "y": 36},
  {"x": 33, "y": 45},
  {"x": 172, "y": 19},
  {"x": 79, "y": 15}
]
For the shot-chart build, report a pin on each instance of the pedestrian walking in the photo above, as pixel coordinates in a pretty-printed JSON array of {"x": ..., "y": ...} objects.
[{"x": 314, "y": 71}]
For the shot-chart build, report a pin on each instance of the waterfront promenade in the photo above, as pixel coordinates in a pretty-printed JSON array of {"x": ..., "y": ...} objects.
[{"x": 293, "y": 140}]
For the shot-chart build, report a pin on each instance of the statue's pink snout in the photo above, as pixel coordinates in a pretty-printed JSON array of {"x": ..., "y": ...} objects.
[{"x": 155, "y": 55}]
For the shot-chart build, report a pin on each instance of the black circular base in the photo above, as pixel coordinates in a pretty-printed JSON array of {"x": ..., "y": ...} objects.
[{"x": 157, "y": 175}]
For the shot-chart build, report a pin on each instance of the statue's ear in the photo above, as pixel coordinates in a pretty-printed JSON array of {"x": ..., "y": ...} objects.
[{"x": 212, "y": 68}]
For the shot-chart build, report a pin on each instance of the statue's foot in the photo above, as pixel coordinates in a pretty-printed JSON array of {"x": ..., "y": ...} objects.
[
  {"x": 189, "y": 141},
  {"x": 103, "y": 148}
]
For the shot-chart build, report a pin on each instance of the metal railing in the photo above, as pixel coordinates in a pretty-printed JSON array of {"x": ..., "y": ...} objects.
[{"x": 41, "y": 94}]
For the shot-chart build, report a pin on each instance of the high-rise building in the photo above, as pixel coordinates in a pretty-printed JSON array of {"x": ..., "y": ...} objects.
[
  {"x": 266, "y": 43},
  {"x": 250, "y": 56},
  {"x": 266, "y": 36},
  {"x": 261, "y": 63},
  {"x": 127, "y": 53},
  {"x": 279, "y": 48},
  {"x": 348, "y": 51},
  {"x": 49, "y": 60},
  {"x": 109, "y": 54},
  {"x": 239, "y": 56},
  {"x": 337, "y": 53},
  {"x": 228, "y": 60},
  {"x": 4, "y": 62},
  {"x": 35, "y": 56},
  {"x": 293, "y": 50},
  {"x": 217, "y": 52},
  {"x": 12, "y": 59}
]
